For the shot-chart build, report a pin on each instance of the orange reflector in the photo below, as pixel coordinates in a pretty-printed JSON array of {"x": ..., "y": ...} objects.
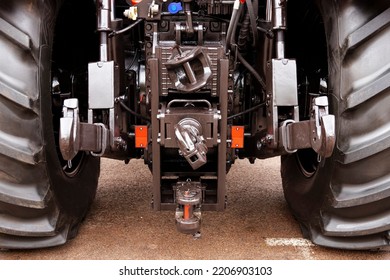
[
  {"x": 141, "y": 136},
  {"x": 237, "y": 137},
  {"x": 135, "y": 2}
]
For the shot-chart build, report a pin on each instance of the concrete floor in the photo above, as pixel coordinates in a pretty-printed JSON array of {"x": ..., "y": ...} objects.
[{"x": 256, "y": 224}]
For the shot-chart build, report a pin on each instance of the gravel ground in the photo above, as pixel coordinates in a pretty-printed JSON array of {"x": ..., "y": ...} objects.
[{"x": 257, "y": 223}]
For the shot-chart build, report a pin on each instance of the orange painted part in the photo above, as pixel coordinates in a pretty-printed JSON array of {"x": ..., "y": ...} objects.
[
  {"x": 186, "y": 212},
  {"x": 237, "y": 137},
  {"x": 135, "y": 2},
  {"x": 141, "y": 136}
]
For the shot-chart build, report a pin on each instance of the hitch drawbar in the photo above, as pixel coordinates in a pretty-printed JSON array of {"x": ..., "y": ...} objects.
[{"x": 188, "y": 212}]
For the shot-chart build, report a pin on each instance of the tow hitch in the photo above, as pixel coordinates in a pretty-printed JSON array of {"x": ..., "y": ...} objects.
[{"x": 188, "y": 211}]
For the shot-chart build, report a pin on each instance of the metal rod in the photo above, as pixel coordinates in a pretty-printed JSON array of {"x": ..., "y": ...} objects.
[
  {"x": 103, "y": 47},
  {"x": 279, "y": 26},
  {"x": 103, "y": 26},
  {"x": 113, "y": 17},
  {"x": 187, "y": 212},
  {"x": 189, "y": 24},
  {"x": 280, "y": 45},
  {"x": 268, "y": 15}
]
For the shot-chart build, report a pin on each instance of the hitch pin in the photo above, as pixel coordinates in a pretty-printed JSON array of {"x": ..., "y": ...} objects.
[{"x": 187, "y": 208}]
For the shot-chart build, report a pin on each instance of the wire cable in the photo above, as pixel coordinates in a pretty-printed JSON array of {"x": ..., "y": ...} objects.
[
  {"x": 127, "y": 28},
  {"x": 124, "y": 106},
  {"x": 246, "y": 111}
]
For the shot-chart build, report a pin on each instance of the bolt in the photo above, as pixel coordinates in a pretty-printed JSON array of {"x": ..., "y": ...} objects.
[
  {"x": 163, "y": 24},
  {"x": 148, "y": 27},
  {"x": 215, "y": 24},
  {"x": 259, "y": 145},
  {"x": 266, "y": 139}
]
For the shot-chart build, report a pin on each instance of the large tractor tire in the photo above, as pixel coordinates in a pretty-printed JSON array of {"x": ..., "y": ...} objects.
[
  {"x": 43, "y": 198},
  {"x": 344, "y": 201}
]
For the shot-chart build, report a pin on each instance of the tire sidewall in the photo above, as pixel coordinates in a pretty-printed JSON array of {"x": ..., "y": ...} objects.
[
  {"x": 73, "y": 195},
  {"x": 306, "y": 195}
]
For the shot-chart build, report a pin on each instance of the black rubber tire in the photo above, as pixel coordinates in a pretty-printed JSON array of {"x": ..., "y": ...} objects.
[
  {"x": 40, "y": 204},
  {"x": 344, "y": 201}
]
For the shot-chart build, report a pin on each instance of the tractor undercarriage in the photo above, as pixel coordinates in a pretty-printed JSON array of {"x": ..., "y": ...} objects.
[{"x": 190, "y": 86}]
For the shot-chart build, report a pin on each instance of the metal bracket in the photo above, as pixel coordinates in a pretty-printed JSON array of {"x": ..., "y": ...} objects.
[
  {"x": 153, "y": 10},
  {"x": 323, "y": 127},
  {"x": 317, "y": 133},
  {"x": 75, "y": 136},
  {"x": 281, "y": 93},
  {"x": 172, "y": 113},
  {"x": 103, "y": 138},
  {"x": 183, "y": 73},
  {"x": 69, "y": 129},
  {"x": 285, "y": 139}
]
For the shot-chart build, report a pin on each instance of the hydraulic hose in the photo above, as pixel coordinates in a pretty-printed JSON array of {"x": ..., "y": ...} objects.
[
  {"x": 251, "y": 69},
  {"x": 233, "y": 24},
  {"x": 253, "y": 21},
  {"x": 243, "y": 34},
  {"x": 133, "y": 112}
]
